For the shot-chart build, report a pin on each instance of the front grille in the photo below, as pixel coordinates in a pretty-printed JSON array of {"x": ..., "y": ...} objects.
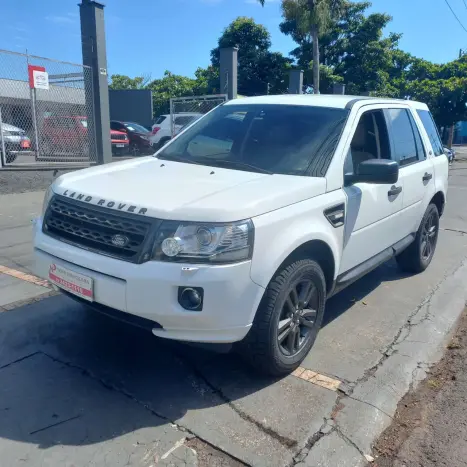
[
  {"x": 92, "y": 227},
  {"x": 119, "y": 137}
]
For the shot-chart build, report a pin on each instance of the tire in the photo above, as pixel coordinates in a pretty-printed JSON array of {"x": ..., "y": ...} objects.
[
  {"x": 134, "y": 150},
  {"x": 10, "y": 157},
  {"x": 416, "y": 258},
  {"x": 265, "y": 346}
]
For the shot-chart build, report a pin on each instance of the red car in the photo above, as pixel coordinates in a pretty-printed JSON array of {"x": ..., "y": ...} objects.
[{"x": 68, "y": 135}]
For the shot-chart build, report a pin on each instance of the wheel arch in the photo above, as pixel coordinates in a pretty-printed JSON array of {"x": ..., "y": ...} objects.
[
  {"x": 439, "y": 200},
  {"x": 319, "y": 251}
]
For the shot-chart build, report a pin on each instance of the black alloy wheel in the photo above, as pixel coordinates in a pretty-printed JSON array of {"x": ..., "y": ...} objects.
[{"x": 297, "y": 317}]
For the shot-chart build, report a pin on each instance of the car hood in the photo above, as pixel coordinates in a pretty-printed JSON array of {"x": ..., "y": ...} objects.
[{"x": 188, "y": 192}]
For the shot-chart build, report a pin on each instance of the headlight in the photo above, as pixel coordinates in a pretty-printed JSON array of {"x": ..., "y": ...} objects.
[
  {"x": 47, "y": 197},
  {"x": 204, "y": 243}
]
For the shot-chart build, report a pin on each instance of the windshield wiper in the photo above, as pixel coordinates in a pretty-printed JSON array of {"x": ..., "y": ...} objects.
[{"x": 226, "y": 163}]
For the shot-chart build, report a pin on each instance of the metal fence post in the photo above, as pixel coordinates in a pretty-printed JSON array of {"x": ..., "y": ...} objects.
[
  {"x": 3, "y": 158},
  {"x": 32, "y": 94},
  {"x": 172, "y": 122}
]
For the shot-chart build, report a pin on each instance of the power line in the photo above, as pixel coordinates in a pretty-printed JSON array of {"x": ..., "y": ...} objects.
[{"x": 454, "y": 13}]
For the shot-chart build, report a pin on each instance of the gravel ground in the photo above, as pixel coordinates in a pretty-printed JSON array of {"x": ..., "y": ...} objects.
[
  {"x": 23, "y": 181},
  {"x": 430, "y": 425}
]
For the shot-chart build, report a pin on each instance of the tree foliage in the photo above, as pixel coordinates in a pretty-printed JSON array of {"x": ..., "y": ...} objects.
[
  {"x": 125, "y": 82},
  {"x": 259, "y": 70}
]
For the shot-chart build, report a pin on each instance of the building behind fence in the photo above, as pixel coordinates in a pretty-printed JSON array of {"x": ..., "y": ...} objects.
[{"x": 46, "y": 127}]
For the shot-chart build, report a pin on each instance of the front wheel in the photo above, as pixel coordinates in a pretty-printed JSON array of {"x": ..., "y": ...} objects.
[
  {"x": 417, "y": 257},
  {"x": 288, "y": 319}
]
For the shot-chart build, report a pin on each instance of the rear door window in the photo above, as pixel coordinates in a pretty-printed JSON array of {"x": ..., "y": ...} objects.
[
  {"x": 160, "y": 119},
  {"x": 432, "y": 131}
]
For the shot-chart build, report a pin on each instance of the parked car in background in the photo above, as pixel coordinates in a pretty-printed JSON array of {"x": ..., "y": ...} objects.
[
  {"x": 138, "y": 137},
  {"x": 450, "y": 153},
  {"x": 69, "y": 134},
  {"x": 161, "y": 132},
  {"x": 120, "y": 143},
  {"x": 15, "y": 141}
]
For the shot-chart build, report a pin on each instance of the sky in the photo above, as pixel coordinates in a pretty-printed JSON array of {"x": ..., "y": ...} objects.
[{"x": 147, "y": 37}]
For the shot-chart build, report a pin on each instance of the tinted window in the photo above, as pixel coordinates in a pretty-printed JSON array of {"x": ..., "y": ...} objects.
[
  {"x": 418, "y": 140},
  {"x": 432, "y": 131},
  {"x": 404, "y": 147},
  {"x": 284, "y": 139},
  {"x": 370, "y": 141},
  {"x": 160, "y": 119},
  {"x": 135, "y": 127},
  {"x": 184, "y": 120}
]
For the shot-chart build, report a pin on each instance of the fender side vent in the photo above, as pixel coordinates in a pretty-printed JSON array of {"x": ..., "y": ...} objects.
[{"x": 336, "y": 215}]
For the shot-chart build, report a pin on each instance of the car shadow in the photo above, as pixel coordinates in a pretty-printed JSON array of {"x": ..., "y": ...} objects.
[{"x": 86, "y": 378}]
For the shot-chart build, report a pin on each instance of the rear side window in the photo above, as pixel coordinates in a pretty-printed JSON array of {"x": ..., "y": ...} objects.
[
  {"x": 405, "y": 149},
  {"x": 183, "y": 120},
  {"x": 160, "y": 120},
  {"x": 432, "y": 131}
]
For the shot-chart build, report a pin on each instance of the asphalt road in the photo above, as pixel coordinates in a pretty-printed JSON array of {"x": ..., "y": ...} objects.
[{"x": 78, "y": 389}]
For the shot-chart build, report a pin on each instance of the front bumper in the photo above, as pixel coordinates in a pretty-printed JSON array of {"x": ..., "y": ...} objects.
[
  {"x": 150, "y": 290},
  {"x": 120, "y": 149}
]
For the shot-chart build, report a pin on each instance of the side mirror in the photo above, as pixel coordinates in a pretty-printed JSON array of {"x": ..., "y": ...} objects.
[{"x": 381, "y": 171}]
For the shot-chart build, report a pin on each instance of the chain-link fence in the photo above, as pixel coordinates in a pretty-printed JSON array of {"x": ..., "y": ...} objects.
[
  {"x": 46, "y": 112},
  {"x": 185, "y": 110}
]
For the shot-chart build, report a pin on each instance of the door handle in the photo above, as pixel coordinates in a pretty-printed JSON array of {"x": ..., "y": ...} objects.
[
  {"x": 427, "y": 177},
  {"x": 395, "y": 190}
]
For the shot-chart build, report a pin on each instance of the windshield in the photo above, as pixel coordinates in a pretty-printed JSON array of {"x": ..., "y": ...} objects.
[
  {"x": 135, "y": 127},
  {"x": 282, "y": 139}
]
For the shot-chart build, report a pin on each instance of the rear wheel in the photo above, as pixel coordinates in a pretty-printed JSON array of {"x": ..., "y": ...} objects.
[
  {"x": 417, "y": 257},
  {"x": 288, "y": 320},
  {"x": 134, "y": 150}
]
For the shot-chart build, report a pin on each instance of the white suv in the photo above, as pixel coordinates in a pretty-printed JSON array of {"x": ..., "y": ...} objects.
[
  {"x": 291, "y": 199},
  {"x": 161, "y": 131}
]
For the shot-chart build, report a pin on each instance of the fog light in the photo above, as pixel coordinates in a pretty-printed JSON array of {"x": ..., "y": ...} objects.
[
  {"x": 171, "y": 246},
  {"x": 191, "y": 298}
]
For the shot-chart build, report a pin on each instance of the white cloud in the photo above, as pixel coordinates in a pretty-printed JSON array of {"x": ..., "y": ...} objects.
[{"x": 68, "y": 18}]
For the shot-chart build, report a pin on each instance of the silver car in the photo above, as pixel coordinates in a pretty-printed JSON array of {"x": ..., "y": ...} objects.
[{"x": 15, "y": 142}]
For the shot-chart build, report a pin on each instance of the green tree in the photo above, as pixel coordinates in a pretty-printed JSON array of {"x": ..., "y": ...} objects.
[
  {"x": 260, "y": 70},
  {"x": 170, "y": 85},
  {"x": 125, "y": 82},
  {"x": 312, "y": 19}
]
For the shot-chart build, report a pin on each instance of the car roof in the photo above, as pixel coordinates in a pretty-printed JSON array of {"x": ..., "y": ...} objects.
[{"x": 322, "y": 100}]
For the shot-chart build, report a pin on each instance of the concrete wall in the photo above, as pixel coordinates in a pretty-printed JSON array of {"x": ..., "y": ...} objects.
[{"x": 132, "y": 105}]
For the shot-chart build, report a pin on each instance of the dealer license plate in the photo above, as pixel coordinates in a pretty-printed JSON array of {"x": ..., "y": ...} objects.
[
  {"x": 120, "y": 145},
  {"x": 71, "y": 281}
]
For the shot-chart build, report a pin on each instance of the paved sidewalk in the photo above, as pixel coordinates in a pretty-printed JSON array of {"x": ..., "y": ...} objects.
[{"x": 430, "y": 425}]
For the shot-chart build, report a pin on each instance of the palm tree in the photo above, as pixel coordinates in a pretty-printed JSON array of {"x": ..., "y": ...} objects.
[{"x": 313, "y": 17}]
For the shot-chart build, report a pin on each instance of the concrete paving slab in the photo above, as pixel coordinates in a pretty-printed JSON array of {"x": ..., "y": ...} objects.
[
  {"x": 426, "y": 333},
  {"x": 289, "y": 408},
  {"x": 333, "y": 451},
  {"x": 54, "y": 415},
  {"x": 13, "y": 290},
  {"x": 135, "y": 363}
]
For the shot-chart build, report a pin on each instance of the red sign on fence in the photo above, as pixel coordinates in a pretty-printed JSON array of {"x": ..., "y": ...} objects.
[{"x": 31, "y": 70}]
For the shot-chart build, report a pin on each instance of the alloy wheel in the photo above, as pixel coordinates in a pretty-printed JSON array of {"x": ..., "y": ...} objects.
[
  {"x": 297, "y": 317},
  {"x": 429, "y": 236}
]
